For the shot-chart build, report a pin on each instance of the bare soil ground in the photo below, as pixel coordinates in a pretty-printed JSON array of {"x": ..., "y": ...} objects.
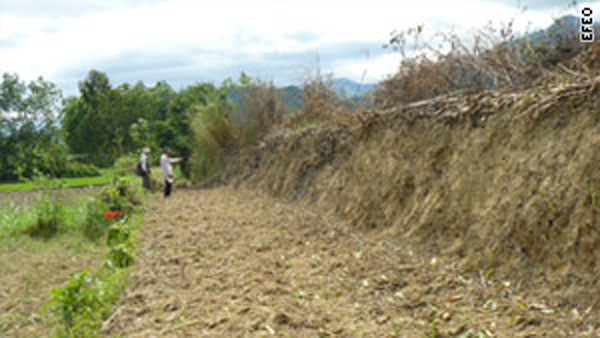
[
  {"x": 236, "y": 263},
  {"x": 29, "y": 269}
]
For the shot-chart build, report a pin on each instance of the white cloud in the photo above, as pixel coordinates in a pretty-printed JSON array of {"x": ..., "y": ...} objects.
[{"x": 62, "y": 40}]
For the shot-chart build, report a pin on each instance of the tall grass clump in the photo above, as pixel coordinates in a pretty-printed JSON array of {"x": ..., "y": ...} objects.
[
  {"x": 50, "y": 218},
  {"x": 15, "y": 219},
  {"x": 50, "y": 215},
  {"x": 213, "y": 136},
  {"x": 262, "y": 108},
  {"x": 321, "y": 102}
]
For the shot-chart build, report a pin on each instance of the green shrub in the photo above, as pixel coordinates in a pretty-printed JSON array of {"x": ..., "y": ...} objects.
[
  {"x": 125, "y": 165},
  {"x": 76, "y": 304},
  {"x": 77, "y": 169}
]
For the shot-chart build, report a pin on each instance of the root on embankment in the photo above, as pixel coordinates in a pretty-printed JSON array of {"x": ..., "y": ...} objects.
[{"x": 508, "y": 181}]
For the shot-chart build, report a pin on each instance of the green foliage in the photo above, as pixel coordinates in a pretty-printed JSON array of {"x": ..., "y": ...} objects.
[
  {"x": 121, "y": 247},
  {"x": 67, "y": 182},
  {"x": 141, "y": 135},
  {"x": 213, "y": 136},
  {"x": 30, "y": 140},
  {"x": 120, "y": 196},
  {"x": 49, "y": 219},
  {"x": 50, "y": 215},
  {"x": 93, "y": 122},
  {"x": 120, "y": 256},
  {"x": 76, "y": 169},
  {"x": 105, "y": 123},
  {"x": 15, "y": 220},
  {"x": 125, "y": 165},
  {"x": 77, "y": 303},
  {"x": 118, "y": 233},
  {"x": 95, "y": 224},
  {"x": 86, "y": 300}
]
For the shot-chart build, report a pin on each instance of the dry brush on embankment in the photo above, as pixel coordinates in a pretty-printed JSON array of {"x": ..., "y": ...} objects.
[{"x": 499, "y": 180}]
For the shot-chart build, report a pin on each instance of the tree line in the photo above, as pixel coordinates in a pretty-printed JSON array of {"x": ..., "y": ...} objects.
[{"x": 41, "y": 133}]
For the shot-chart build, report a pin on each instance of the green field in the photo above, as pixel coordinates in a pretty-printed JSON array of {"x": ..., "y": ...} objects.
[{"x": 66, "y": 182}]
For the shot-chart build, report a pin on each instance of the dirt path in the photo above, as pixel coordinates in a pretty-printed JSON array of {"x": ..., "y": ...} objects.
[{"x": 227, "y": 263}]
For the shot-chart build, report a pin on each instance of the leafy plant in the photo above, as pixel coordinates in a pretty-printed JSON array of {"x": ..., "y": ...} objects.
[
  {"x": 95, "y": 224},
  {"x": 77, "y": 303},
  {"x": 118, "y": 238},
  {"x": 120, "y": 256}
]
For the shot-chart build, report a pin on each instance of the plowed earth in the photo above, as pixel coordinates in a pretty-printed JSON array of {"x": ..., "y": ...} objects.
[{"x": 236, "y": 263}]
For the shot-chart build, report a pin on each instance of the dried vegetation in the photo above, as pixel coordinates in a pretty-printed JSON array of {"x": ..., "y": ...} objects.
[{"x": 497, "y": 179}]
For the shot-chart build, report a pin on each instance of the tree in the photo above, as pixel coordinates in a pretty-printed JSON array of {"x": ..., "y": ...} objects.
[
  {"x": 93, "y": 122},
  {"x": 30, "y": 140}
]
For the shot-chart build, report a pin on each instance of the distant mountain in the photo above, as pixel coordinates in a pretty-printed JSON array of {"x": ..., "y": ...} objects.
[
  {"x": 293, "y": 96},
  {"x": 563, "y": 29},
  {"x": 349, "y": 89}
]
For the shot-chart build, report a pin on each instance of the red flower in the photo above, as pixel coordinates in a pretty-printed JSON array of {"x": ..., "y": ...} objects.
[{"x": 112, "y": 214}]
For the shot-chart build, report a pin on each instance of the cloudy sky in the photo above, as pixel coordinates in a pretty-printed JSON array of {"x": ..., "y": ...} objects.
[{"x": 185, "y": 41}]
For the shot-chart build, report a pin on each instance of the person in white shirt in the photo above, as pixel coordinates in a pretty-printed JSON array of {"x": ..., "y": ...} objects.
[
  {"x": 145, "y": 168},
  {"x": 167, "y": 169}
]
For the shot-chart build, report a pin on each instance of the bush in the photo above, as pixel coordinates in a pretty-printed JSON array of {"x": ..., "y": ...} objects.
[
  {"x": 78, "y": 169},
  {"x": 125, "y": 165}
]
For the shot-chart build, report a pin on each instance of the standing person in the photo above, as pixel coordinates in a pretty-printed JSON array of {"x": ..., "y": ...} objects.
[
  {"x": 144, "y": 168},
  {"x": 167, "y": 169}
]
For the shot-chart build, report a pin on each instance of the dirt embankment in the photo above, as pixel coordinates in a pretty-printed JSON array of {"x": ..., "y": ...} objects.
[{"x": 508, "y": 182}]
